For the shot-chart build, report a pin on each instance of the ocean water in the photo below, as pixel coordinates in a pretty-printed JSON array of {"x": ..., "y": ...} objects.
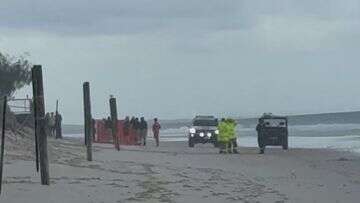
[{"x": 332, "y": 136}]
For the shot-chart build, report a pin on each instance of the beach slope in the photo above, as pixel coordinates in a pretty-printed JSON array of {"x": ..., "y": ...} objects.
[{"x": 176, "y": 173}]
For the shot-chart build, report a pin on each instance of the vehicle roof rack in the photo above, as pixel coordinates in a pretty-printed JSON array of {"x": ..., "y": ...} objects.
[{"x": 270, "y": 115}]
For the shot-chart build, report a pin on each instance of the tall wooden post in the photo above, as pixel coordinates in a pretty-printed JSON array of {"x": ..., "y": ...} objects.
[
  {"x": 2, "y": 143},
  {"x": 41, "y": 132},
  {"x": 87, "y": 121},
  {"x": 34, "y": 111},
  {"x": 114, "y": 119}
]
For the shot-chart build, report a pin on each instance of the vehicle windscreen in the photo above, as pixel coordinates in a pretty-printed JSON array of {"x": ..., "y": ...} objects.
[
  {"x": 205, "y": 123},
  {"x": 275, "y": 123}
]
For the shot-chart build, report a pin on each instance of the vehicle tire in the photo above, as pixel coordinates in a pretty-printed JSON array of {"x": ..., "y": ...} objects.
[
  {"x": 191, "y": 144},
  {"x": 216, "y": 144}
]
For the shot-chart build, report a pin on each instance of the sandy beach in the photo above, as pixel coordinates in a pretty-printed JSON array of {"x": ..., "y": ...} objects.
[
  {"x": 259, "y": 73},
  {"x": 176, "y": 173}
]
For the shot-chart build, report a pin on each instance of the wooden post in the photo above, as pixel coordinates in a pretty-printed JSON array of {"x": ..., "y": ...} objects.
[
  {"x": 41, "y": 132},
  {"x": 87, "y": 121},
  {"x": 114, "y": 119},
  {"x": 34, "y": 110},
  {"x": 2, "y": 143}
]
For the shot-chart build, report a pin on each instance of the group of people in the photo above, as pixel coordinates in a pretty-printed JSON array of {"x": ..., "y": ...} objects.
[
  {"x": 140, "y": 128},
  {"x": 227, "y": 136},
  {"x": 53, "y": 125}
]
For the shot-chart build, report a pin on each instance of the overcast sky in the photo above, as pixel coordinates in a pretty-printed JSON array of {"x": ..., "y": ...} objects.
[{"x": 176, "y": 58}]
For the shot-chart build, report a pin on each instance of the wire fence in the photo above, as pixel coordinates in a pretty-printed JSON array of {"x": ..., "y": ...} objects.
[
  {"x": 20, "y": 106},
  {"x": 22, "y": 110}
]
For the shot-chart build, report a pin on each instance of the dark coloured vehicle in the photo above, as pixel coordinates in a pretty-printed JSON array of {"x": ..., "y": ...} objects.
[
  {"x": 272, "y": 131},
  {"x": 204, "y": 130}
]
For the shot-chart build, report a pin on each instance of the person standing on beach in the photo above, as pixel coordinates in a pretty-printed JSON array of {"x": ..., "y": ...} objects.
[
  {"x": 259, "y": 129},
  {"x": 126, "y": 129},
  {"x": 132, "y": 123},
  {"x": 233, "y": 138},
  {"x": 52, "y": 124},
  {"x": 143, "y": 130},
  {"x": 156, "y": 130},
  {"x": 137, "y": 131},
  {"x": 227, "y": 136},
  {"x": 132, "y": 131},
  {"x": 127, "y": 125},
  {"x": 223, "y": 137},
  {"x": 108, "y": 125}
]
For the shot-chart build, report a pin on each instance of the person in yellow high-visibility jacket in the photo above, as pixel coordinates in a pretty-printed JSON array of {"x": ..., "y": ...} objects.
[
  {"x": 232, "y": 136},
  {"x": 227, "y": 134},
  {"x": 223, "y": 136}
]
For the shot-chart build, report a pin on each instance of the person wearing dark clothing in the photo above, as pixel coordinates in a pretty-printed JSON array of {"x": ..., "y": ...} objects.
[
  {"x": 137, "y": 131},
  {"x": 52, "y": 123},
  {"x": 126, "y": 129},
  {"x": 132, "y": 123},
  {"x": 259, "y": 129},
  {"x": 58, "y": 126},
  {"x": 156, "y": 131},
  {"x": 132, "y": 133},
  {"x": 143, "y": 130},
  {"x": 108, "y": 123},
  {"x": 127, "y": 126}
]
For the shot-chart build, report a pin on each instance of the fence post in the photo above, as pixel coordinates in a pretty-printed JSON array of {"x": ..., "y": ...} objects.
[
  {"x": 40, "y": 117},
  {"x": 2, "y": 143},
  {"x": 87, "y": 120},
  {"x": 114, "y": 119},
  {"x": 34, "y": 110}
]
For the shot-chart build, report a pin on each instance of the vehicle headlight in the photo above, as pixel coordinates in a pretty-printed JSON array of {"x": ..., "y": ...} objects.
[
  {"x": 202, "y": 134},
  {"x": 192, "y": 135},
  {"x": 217, "y": 132},
  {"x": 192, "y": 130},
  {"x": 209, "y": 134}
]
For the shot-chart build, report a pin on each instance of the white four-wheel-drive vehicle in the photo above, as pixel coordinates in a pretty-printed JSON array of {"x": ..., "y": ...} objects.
[{"x": 204, "y": 130}]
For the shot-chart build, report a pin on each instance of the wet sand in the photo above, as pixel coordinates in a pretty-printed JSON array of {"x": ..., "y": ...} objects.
[{"x": 176, "y": 173}]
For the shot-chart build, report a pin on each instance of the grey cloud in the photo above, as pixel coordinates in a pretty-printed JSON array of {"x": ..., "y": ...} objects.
[
  {"x": 134, "y": 16},
  {"x": 108, "y": 16},
  {"x": 166, "y": 57}
]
